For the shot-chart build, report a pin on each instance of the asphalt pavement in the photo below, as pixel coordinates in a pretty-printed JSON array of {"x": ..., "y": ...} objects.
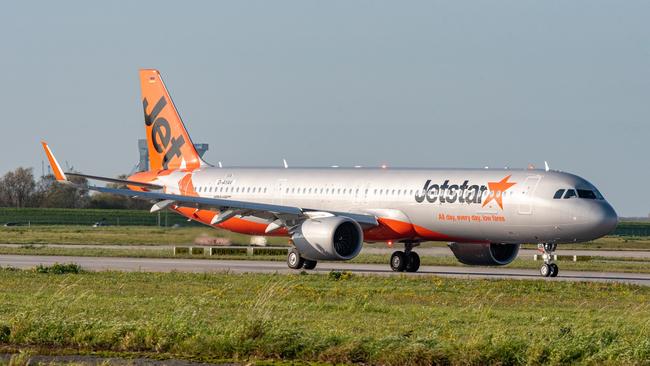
[{"x": 260, "y": 266}]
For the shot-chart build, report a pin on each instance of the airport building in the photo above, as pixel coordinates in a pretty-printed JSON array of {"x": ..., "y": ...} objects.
[{"x": 143, "y": 165}]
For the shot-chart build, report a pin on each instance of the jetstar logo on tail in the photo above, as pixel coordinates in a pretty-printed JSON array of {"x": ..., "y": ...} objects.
[
  {"x": 161, "y": 133},
  {"x": 464, "y": 193}
]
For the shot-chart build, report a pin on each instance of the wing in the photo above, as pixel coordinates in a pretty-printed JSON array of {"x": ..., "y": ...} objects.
[
  {"x": 235, "y": 207},
  {"x": 115, "y": 180},
  {"x": 282, "y": 216}
]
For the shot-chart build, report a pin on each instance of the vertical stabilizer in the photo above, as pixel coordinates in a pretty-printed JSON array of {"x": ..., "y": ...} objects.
[{"x": 168, "y": 142}]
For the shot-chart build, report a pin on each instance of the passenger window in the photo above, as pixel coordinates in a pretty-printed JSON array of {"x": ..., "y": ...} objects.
[
  {"x": 585, "y": 193},
  {"x": 558, "y": 194},
  {"x": 569, "y": 193}
]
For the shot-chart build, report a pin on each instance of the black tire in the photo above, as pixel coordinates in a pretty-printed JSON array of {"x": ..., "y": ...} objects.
[
  {"x": 309, "y": 264},
  {"x": 294, "y": 260},
  {"x": 554, "y": 270},
  {"x": 398, "y": 261},
  {"x": 413, "y": 262},
  {"x": 545, "y": 270}
]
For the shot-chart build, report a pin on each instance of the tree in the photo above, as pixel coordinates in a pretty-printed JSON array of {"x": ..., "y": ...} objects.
[
  {"x": 17, "y": 187},
  {"x": 53, "y": 194}
]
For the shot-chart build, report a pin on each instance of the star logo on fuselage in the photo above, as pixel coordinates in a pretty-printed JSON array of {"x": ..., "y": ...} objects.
[{"x": 497, "y": 189}]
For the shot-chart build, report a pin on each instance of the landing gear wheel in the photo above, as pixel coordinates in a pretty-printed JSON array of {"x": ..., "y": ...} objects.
[
  {"x": 309, "y": 264},
  {"x": 294, "y": 260},
  {"x": 413, "y": 262},
  {"x": 398, "y": 261},
  {"x": 549, "y": 269}
]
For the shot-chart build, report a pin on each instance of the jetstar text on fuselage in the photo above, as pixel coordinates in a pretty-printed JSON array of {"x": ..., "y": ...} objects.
[{"x": 450, "y": 193}]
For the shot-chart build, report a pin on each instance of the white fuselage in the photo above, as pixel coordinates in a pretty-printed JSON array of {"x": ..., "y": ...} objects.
[{"x": 500, "y": 206}]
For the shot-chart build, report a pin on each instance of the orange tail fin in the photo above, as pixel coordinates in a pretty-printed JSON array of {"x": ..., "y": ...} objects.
[{"x": 169, "y": 144}]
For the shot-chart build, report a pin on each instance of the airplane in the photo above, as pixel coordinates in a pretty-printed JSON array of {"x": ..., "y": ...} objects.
[{"x": 328, "y": 213}]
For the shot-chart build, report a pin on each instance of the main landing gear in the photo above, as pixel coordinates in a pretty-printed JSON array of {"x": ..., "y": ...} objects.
[
  {"x": 406, "y": 261},
  {"x": 295, "y": 261},
  {"x": 549, "y": 268}
]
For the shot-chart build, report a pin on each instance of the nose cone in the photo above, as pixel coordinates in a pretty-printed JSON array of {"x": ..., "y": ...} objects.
[{"x": 603, "y": 219}]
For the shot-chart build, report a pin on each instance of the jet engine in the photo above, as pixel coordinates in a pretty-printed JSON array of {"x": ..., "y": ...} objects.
[
  {"x": 484, "y": 254},
  {"x": 328, "y": 238}
]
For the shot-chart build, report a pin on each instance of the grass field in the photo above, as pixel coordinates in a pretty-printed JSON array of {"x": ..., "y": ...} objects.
[
  {"x": 321, "y": 318},
  {"x": 114, "y": 235}
]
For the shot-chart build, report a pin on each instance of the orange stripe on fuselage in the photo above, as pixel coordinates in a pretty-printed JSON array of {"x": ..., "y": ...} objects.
[{"x": 388, "y": 229}]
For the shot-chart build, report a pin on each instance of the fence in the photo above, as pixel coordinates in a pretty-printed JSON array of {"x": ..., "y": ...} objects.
[{"x": 632, "y": 229}]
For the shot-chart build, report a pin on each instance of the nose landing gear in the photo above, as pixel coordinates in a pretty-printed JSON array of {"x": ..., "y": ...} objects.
[
  {"x": 549, "y": 268},
  {"x": 406, "y": 261}
]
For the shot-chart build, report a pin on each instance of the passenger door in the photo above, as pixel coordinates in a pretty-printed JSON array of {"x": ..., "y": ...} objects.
[{"x": 526, "y": 200}]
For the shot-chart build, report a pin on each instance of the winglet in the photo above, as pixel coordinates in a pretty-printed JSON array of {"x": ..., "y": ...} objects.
[{"x": 56, "y": 168}]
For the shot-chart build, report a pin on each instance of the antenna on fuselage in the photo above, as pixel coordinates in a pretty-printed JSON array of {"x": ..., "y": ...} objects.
[
  {"x": 546, "y": 166},
  {"x": 285, "y": 163},
  {"x": 220, "y": 166}
]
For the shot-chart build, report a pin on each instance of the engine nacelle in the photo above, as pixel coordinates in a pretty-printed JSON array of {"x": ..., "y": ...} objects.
[
  {"x": 328, "y": 238},
  {"x": 485, "y": 254}
]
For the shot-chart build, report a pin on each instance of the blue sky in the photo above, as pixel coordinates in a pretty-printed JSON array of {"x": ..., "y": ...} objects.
[{"x": 409, "y": 83}]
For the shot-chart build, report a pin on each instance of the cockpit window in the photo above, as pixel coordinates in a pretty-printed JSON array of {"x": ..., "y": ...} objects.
[
  {"x": 570, "y": 193},
  {"x": 598, "y": 195},
  {"x": 585, "y": 193},
  {"x": 558, "y": 194}
]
